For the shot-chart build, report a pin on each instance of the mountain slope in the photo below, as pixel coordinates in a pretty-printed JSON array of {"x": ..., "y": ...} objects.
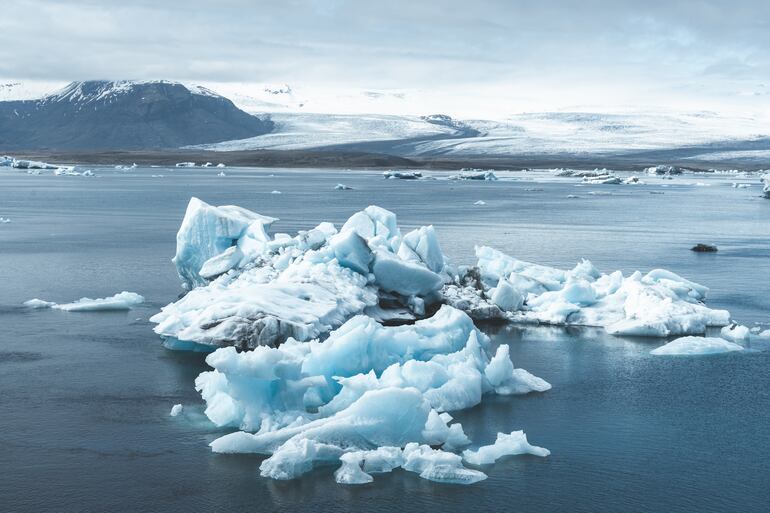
[{"x": 98, "y": 115}]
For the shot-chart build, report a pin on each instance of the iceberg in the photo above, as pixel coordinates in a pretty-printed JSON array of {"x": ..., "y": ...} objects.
[
  {"x": 766, "y": 185},
  {"x": 38, "y": 303},
  {"x": 488, "y": 176},
  {"x": 736, "y": 333},
  {"x": 696, "y": 346},
  {"x": 360, "y": 397},
  {"x": 248, "y": 289},
  {"x": 657, "y": 304}
]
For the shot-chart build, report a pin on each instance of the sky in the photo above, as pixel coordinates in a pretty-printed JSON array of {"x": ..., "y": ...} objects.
[{"x": 696, "y": 54}]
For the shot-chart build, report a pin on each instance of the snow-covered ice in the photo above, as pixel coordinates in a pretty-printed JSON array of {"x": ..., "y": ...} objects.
[
  {"x": 736, "y": 333},
  {"x": 696, "y": 346}
]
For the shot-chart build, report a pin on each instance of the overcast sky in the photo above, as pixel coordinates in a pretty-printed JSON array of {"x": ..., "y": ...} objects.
[{"x": 654, "y": 48}]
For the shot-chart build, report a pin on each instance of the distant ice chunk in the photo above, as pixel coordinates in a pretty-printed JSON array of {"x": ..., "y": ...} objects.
[
  {"x": 4, "y": 220},
  {"x": 480, "y": 202},
  {"x": 221, "y": 165},
  {"x": 511, "y": 444},
  {"x": 664, "y": 170},
  {"x": 488, "y": 176},
  {"x": 342, "y": 187},
  {"x": 402, "y": 175},
  {"x": 176, "y": 410},
  {"x": 766, "y": 185},
  {"x": 275, "y": 192},
  {"x": 39, "y": 303},
  {"x": 121, "y": 301},
  {"x": 696, "y": 346},
  {"x": 185, "y": 164},
  {"x": 736, "y": 333}
]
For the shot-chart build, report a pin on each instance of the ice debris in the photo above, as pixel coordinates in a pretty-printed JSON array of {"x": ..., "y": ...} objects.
[
  {"x": 402, "y": 175},
  {"x": 511, "y": 444},
  {"x": 176, "y": 410}
]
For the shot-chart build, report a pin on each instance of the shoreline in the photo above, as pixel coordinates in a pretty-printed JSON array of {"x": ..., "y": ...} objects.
[{"x": 366, "y": 160}]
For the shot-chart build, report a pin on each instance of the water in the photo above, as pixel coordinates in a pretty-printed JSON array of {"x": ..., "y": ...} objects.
[{"x": 85, "y": 397}]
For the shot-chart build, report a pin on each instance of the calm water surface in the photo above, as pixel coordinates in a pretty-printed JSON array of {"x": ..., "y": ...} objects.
[{"x": 85, "y": 397}]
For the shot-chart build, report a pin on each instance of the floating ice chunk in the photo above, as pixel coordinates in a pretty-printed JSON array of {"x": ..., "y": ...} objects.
[
  {"x": 350, "y": 472},
  {"x": 439, "y": 466},
  {"x": 697, "y": 346},
  {"x": 207, "y": 231},
  {"x": 4, "y": 220},
  {"x": 342, "y": 187},
  {"x": 488, "y": 176},
  {"x": 176, "y": 410},
  {"x": 39, "y": 303},
  {"x": 31, "y": 164},
  {"x": 480, "y": 202},
  {"x": 207, "y": 164},
  {"x": 373, "y": 222},
  {"x": 402, "y": 175},
  {"x": 511, "y": 444},
  {"x": 221, "y": 173},
  {"x": 121, "y": 301},
  {"x": 185, "y": 164},
  {"x": 607, "y": 179},
  {"x": 766, "y": 185},
  {"x": 275, "y": 192},
  {"x": 6, "y": 161},
  {"x": 736, "y": 333},
  {"x": 664, "y": 170},
  {"x": 221, "y": 165}
]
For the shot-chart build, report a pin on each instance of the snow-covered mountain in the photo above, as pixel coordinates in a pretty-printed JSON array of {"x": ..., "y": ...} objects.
[{"x": 99, "y": 114}]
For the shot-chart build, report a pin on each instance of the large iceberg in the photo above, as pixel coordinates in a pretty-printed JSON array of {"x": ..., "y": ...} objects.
[
  {"x": 249, "y": 289},
  {"x": 365, "y": 391},
  {"x": 659, "y": 303}
]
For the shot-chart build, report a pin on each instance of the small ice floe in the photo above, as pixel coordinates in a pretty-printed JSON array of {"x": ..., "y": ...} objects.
[
  {"x": 607, "y": 179},
  {"x": 480, "y": 202},
  {"x": 402, "y": 175},
  {"x": 176, "y": 410},
  {"x": 185, "y": 164},
  {"x": 633, "y": 180},
  {"x": 600, "y": 193},
  {"x": 122, "y": 301},
  {"x": 342, "y": 187},
  {"x": 87, "y": 172},
  {"x": 487, "y": 176},
  {"x": 275, "y": 192},
  {"x": 120, "y": 167},
  {"x": 4, "y": 220},
  {"x": 207, "y": 164},
  {"x": 157, "y": 176},
  {"x": 506, "y": 445},
  {"x": 737, "y": 185},
  {"x": 696, "y": 346},
  {"x": 572, "y": 196},
  {"x": 38, "y": 303},
  {"x": 220, "y": 165},
  {"x": 221, "y": 173},
  {"x": 31, "y": 164}
]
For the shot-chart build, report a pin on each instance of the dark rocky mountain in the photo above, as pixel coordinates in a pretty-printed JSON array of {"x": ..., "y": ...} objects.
[{"x": 124, "y": 115}]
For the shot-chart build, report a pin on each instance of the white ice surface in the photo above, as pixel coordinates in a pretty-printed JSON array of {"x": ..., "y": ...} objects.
[
  {"x": 511, "y": 444},
  {"x": 696, "y": 346},
  {"x": 121, "y": 301}
]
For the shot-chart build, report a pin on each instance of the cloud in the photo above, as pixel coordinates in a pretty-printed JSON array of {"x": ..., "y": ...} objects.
[{"x": 399, "y": 43}]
